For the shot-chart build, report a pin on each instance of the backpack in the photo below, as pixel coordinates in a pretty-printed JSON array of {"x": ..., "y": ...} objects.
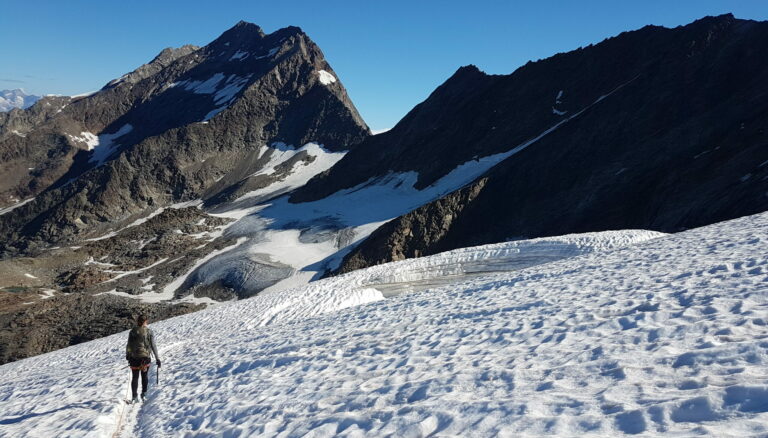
[{"x": 138, "y": 342}]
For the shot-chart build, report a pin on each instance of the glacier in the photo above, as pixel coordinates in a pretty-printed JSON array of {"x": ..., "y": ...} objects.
[{"x": 632, "y": 332}]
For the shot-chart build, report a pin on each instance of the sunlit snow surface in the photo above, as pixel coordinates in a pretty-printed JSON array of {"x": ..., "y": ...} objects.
[
  {"x": 223, "y": 88},
  {"x": 665, "y": 337},
  {"x": 105, "y": 144},
  {"x": 326, "y": 78}
]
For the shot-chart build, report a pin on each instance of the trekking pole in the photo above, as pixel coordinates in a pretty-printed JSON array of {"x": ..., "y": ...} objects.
[{"x": 157, "y": 381}]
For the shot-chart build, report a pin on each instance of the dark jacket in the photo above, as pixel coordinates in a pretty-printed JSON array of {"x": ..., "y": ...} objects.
[{"x": 141, "y": 341}]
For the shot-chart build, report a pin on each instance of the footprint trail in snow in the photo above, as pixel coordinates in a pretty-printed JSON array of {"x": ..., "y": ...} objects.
[{"x": 664, "y": 337}]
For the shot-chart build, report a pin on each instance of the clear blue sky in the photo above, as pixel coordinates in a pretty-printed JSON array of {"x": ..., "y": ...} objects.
[{"x": 389, "y": 54}]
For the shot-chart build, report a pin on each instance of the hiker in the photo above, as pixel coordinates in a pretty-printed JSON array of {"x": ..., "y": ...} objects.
[{"x": 141, "y": 342}]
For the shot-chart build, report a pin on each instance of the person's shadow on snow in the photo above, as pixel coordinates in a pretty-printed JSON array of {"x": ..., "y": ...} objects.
[{"x": 19, "y": 419}]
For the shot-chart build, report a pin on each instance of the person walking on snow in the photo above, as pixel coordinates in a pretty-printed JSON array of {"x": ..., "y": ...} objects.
[{"x": 141, "y": 341}]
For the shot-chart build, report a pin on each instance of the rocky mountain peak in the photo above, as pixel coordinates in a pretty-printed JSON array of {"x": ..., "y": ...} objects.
[
  {"x": 170, "y": 54},
  {"x": 247, "y": 26},
  {"x": 464, "y": 76},
  {"x": 241, "y": 34},
  {"x": 466, "y": 70},
  {"x": 710, "y": 27},
  {"x": 715, "y": 19},
  {"x": 163, "y": 59},
  {"x": 244, "y": 90}
]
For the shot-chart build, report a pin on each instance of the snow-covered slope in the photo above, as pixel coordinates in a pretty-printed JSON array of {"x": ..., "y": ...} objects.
[
  {"x": 304, "y": 240},
  {"x": 664, "y": 337}
]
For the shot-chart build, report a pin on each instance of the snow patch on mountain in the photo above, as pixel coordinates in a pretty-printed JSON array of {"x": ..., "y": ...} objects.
[
  {"x": 301, "y": 172},
  {"x": 224, "y": 89},
  {"x": 90, "y": 140},
  {"x": 269, "y": 54},
  {"x": 86, "y": 94},
  {"x": 326, "y": 78},
  {"x": 105, "y": 144},
  {"x": 230, "y": 88},
  {"x": 239, "y": 55},
  {"x": 558, "y": 112},
  {"x": 207, "y": 86}
]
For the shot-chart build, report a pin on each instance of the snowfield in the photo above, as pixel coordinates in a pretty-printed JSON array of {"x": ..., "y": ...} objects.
[{"x": 632, "y": 333}]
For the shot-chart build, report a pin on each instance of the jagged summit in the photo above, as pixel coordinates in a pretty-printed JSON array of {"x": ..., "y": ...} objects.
[
  {"x": 466, "y": 73},
  {"x": 244, "y": 35},
  {"x": 714, "y": 19},
  {"x": 163, "y": 59},
  {"x": 243, "y": 30},
  {"x": 247, "y": 26},
  {"x": 170, "y": 54},
  {"x": 468, "y": 69}
]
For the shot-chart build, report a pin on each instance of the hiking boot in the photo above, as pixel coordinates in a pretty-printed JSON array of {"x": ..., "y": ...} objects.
[{"x": 143, "y": 396}]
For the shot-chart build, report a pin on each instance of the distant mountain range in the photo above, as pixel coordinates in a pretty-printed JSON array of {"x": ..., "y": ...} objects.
[
  {"x": 217, "y": 172},
  {"x": 10, "y": 99}
]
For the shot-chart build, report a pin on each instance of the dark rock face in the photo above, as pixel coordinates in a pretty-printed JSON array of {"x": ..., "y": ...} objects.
[
  {"x": 663, "y": 129},
  {"x": 71, "y": 319},
  {"x": 414, "y": 234},
  {"x": 139, "y": 259},
  {"x": 160, "y": 249},
  {"x": 167, "y": 132}
]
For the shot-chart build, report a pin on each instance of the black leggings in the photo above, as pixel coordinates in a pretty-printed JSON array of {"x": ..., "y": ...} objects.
[
  {"x": 135, "y": 381},
  {"x": 138, "y": 362}
]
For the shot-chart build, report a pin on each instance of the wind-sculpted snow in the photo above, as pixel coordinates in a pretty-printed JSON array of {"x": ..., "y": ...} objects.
[{"x": 665, "y": 337}]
